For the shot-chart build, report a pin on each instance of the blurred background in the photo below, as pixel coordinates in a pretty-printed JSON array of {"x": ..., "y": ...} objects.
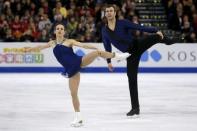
[
  {"x": 31, "y": 100},
  {"x": 33, "y": 20}
]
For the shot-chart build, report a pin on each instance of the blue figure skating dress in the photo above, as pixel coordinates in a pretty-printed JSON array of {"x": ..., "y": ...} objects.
[{"x": 68, "y": 59}]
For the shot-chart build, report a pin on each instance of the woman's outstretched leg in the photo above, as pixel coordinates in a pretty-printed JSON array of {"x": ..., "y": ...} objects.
[
  {"x": 90, "y": 57},
  {"x": 74, "y": 85}
]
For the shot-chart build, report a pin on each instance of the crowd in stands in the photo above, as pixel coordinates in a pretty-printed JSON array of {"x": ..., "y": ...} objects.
[
  {"x": 33, "y": 20},
  {"x": 182, "y": 16}
]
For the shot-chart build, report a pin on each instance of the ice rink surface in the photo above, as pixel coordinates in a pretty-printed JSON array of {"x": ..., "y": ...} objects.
[{"x": 42, "y": 102}]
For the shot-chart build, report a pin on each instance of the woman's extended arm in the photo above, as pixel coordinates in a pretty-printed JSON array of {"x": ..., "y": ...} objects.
[
  {"x": 39, "y": 47},
  {"x": 79, "y": 44}
]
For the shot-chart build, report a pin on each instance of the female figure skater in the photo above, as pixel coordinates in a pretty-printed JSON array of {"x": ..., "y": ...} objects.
[{"x": 63, "y": 51}]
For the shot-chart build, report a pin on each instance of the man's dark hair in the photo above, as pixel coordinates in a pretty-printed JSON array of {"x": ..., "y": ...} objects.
[{"x": 111, "y": 5}]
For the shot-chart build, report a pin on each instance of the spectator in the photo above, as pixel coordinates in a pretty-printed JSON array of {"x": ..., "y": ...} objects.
[
  {"x": 195, "y": 22},
  {"x": 27, "y": 36},
  {"x": 9, "y": 37},
  {"x": 80, "y": 29},
  {"x": 26, "y": 4},
  {"x": 34, "y": 30},
  {"x": 47, "y": 9},
  {"x": 9, "y": 15},
  {"x": 186, "y": 29},
  {"x": 187, "y": 4},
  {"x": 176, "y": 20},
  {"x": 44, "y": 20},
  {"x": 3, "y": 26},
  {"x": 128, "y": 8},
  {"x": 16, "y": 27},
  {"x": 88, "y": 37},
  {"x": 72, "y": 26},
  {"x": 1, "y": 6},
  {"x": 18, "y": 10},
  {"x": 33, "y": 9},
  {"x": 63, "y": 11},
  {"x": 25, "y": 21},
  {"x": 44, "y": 37},
  {"x": 191, "y": 38}
]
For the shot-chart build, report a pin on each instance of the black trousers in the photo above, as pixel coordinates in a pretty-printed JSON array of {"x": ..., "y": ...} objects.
[{"x": 138, "y": 48}]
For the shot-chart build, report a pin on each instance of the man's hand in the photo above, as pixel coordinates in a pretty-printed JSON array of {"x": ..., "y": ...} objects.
[
  {"x": 110, "y": 67},
  {"x": 160, "y": 34}
]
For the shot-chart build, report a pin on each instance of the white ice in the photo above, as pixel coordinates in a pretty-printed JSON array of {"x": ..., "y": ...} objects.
[{"x": 42, "y": 102}]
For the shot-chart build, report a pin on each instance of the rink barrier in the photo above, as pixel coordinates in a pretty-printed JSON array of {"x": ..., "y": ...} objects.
[
  {"x": 95, "y": 70},
  {"x": 158, "y": 59}
]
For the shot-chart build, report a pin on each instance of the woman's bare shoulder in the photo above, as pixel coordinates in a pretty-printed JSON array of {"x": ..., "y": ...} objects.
[
  {"x": 69, "y": 42},
  {"x": 52, "y": 42}
]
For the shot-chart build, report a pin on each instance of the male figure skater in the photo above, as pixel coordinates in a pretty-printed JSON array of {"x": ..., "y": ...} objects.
[{"x": 118, "y": 33}]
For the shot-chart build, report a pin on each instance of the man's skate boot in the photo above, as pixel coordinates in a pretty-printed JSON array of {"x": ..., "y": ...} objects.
[
  {"x": 169, "y": 40},
  {"x": 133, "y": 112}
]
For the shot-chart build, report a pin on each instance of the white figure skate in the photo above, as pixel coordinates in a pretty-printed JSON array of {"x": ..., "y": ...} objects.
[
  {"x": 77, "y": 122},
  {"x": 121, "y": 56}
]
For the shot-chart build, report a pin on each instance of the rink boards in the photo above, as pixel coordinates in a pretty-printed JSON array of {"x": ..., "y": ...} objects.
[{"x": 159, "y": 58}]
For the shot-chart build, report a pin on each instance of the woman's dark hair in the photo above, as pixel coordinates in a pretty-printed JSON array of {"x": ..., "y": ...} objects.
[
  {"x": 59, "y": 23},
  {"x": 53, "y": 29}
]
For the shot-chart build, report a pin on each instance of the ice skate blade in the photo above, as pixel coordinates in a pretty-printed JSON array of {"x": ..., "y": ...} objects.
[
  {"x": 133, "y": 116},
  {"x": 78, "y": 124}
]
